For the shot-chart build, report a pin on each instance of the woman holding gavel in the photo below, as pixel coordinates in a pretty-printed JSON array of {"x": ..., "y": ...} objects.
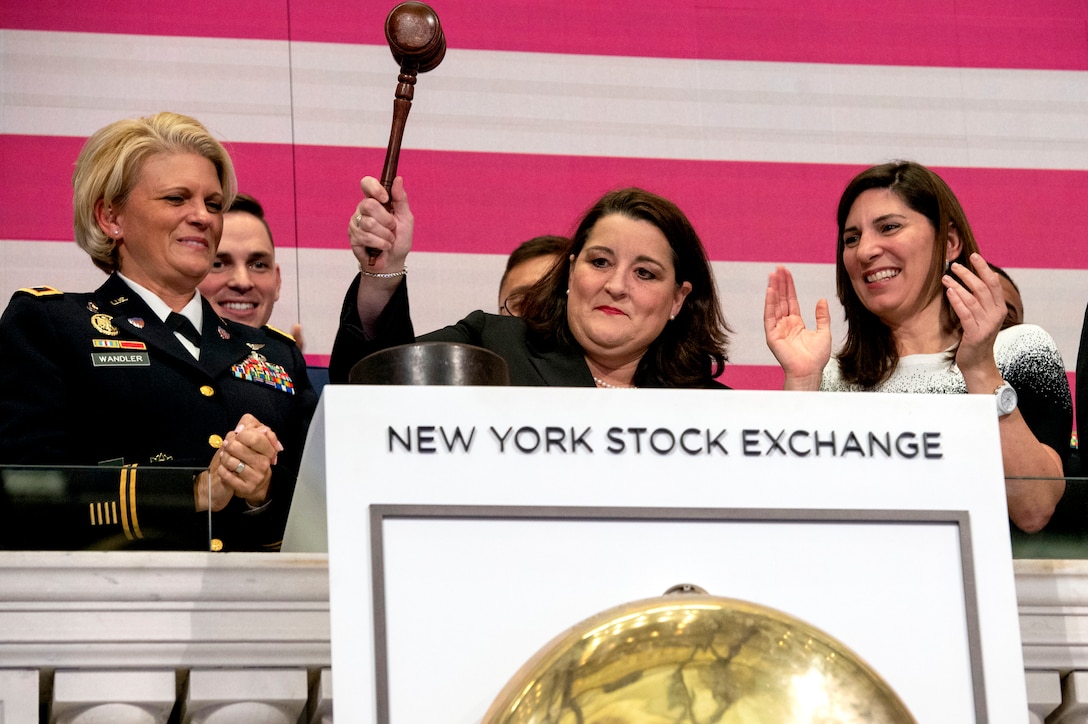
[{"x": 632, "y": 305}]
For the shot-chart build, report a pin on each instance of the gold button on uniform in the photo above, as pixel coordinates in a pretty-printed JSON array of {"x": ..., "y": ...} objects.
[
  {"x": 215, "y": 441},
  {"x": 217, "y": 545},
  {"x": 207, "y": 390}
]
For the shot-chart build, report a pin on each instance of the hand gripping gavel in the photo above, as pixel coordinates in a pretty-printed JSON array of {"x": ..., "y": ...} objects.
[{"x": 416, "y": 40}]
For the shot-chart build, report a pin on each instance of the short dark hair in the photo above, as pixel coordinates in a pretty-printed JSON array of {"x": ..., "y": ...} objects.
[
  {"x": 692, "y": 348},
  {"x": 536, "y": 247},
  {"x": 246, "y": 204},
  {"x": 869, "y": 354}
]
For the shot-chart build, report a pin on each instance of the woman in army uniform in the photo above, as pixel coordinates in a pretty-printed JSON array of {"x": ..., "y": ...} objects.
[{"x": 191, "y": 420}]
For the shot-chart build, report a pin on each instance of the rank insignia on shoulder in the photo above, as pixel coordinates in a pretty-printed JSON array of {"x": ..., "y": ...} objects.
[
  {"x": 42, "y": 291},
  {"x": 280, "y": 332}
]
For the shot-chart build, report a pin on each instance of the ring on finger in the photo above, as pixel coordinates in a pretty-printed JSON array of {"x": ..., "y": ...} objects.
[
  {"x": 241, "y": 467},
  {"x": 358, "y": 219}
]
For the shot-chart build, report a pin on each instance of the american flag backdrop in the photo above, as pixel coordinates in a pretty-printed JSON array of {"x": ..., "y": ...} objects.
[{"x": 751, "y": 114}]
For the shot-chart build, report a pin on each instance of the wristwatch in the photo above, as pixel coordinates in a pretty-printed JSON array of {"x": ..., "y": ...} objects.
[{"x": 1006, "y": 399}]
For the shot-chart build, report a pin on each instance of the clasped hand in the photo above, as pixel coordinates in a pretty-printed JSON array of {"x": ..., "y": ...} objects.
[{"x": 241, "y": 467}]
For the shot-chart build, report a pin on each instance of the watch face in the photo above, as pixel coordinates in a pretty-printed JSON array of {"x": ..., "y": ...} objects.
[{"x": 1006, "y": 399}]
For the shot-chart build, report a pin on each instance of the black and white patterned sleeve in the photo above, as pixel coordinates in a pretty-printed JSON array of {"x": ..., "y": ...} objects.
[{"x": 1029, "y": 360}]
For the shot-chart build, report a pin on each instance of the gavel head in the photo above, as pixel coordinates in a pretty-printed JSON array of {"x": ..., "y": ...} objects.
[{"x": 415, "y": 37}]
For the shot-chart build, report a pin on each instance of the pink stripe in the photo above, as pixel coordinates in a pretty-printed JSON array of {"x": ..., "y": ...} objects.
[
  {"x": 753, "y": 377},
  {"x": 967, "y": 33},
  {"x": 488, "y": 203}
]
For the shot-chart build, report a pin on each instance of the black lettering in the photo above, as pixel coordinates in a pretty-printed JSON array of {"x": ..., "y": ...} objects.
[
  {"x": 793, "y": 443},
  {"x": 775, "y": 444},
  {"x": 425, "y": 439},
  {"x": 750, "y": 442},
  {"x": 579, "y": 440},
  {"x": 458, "y": 437},
  {"x": 531, "y": 434},
  {"x": 637, "y": 432},
  {"x": 683, "y": 441},
  {"x": 907, "y": 445},
  {"x": 876, "y": 444},
  {"x": 825, "y": 443},
  {"x": 852, "y": 446},
  {"x": 501, "y": 438},
  {"x": 616, "y": 445},
  {"x": 556, "y": 436},
  {"x": 405, "y": 442},
  {"x": 667, "y": 433},
  {"x": 715, "y": 442},
  {"x": 931, "y": 445}
]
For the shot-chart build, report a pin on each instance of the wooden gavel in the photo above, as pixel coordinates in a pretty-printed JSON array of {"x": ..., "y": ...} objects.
[{"x": 418, "y": 45}]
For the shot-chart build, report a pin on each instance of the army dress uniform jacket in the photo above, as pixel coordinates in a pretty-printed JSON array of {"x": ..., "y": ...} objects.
[{"x": 97, "y": 379}]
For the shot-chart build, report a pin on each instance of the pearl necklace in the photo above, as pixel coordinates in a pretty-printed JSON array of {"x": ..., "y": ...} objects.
[{"x": 601, "y": 383}]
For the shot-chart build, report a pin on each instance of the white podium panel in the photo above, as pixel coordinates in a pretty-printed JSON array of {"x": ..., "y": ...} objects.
[{"x": 469, "y": 526}]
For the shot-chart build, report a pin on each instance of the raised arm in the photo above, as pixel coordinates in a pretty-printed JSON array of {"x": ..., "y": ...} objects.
[
  {"x": 389, "y": 231},
  {"x": 980, "y": 305},
  {"x": 801, "y": 352}
]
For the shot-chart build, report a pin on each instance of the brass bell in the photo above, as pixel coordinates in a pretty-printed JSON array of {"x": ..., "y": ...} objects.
[{"x": 692, "y": 657}]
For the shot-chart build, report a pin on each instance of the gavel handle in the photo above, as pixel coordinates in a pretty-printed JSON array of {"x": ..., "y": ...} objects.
[{"x": 402, "y": 104}]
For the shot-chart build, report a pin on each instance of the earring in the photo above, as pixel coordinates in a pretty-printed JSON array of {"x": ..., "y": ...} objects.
[
  {"x": 672, "y": 317},
  {"x": 568, "y": 291}
]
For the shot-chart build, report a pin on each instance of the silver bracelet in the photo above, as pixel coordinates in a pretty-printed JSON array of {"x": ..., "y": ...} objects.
[{"x": 383, "y": 275}]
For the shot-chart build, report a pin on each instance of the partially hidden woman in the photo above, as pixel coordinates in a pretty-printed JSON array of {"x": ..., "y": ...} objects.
[
  {"x": 633, "y": 303},
  {"x": 924, "y": 313},
  {"x": 141, "y": 378}
]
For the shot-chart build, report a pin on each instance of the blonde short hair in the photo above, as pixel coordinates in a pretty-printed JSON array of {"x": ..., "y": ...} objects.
[{"x": 109, "y": 166}]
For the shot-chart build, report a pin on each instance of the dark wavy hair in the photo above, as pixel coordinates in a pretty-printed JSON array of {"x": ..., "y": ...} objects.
[
  {"x": 869, "y": 354},
  {"x": 692, "y": 348}
]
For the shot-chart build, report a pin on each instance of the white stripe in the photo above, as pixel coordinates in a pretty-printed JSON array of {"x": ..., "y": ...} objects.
[
  {"x": 334, "y": 94},
  {"x": 446, "y": 287}
]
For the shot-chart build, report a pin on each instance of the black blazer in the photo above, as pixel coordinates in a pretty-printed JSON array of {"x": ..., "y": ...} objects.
[
  {"x": 96, "y": 379},
  {"x": 529, "y": 365}
]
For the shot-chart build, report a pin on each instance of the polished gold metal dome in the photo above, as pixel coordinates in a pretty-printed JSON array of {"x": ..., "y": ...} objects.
[{"x": 692, "y": 657}]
